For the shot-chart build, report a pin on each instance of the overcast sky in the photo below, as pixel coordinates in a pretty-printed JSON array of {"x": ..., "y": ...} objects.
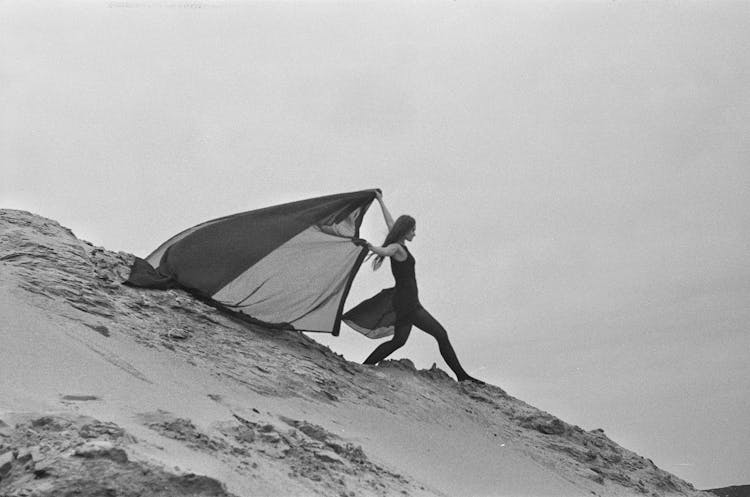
[{"x": 579, "y": 172}]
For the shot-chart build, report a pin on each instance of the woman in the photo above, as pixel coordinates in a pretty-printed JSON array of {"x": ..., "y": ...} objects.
[{"x": 409, "y": 312}]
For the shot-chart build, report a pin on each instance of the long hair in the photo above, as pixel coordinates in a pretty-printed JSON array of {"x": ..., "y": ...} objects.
[{"x": 400, "y": 228}]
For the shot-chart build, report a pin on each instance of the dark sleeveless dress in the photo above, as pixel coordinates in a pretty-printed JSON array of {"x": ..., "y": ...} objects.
[
  {"x": 406, "y": 295},
  {"x": 377, "y": 316}
]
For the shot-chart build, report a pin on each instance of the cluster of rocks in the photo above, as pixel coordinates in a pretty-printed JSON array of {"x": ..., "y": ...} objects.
[
  {"x": 50, "y": 456},
  {"x": 306, "y": 451},
  {"x": 601, "y": 459}
]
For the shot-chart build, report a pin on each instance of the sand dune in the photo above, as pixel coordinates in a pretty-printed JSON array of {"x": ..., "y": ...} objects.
[{"x": 110, "y": 390}]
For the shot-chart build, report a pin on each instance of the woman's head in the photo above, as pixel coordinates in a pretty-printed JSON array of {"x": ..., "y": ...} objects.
[{"x": 404, "y": 228}]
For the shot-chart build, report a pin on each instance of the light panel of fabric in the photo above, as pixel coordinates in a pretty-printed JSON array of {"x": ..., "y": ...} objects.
[{"x": 301, "y": 283}]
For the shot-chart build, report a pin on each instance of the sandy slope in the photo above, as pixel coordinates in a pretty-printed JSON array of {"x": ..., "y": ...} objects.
[{"x": 106, "y": 389}]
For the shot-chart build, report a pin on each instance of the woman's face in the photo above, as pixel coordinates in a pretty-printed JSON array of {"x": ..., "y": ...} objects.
[{"x": 412, "y": 233}]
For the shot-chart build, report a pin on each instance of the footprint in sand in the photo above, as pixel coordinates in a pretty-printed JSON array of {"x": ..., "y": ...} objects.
[{"x": 80, "y": 398}]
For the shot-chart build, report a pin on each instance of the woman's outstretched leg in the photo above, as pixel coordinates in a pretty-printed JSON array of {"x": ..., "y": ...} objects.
[
  {"x": 387, "y": 348},
  {"x": 425, "y": 322}
]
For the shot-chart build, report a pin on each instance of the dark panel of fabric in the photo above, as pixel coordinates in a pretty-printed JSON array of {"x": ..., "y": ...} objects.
[
  {"x": 142, "y": 274},
  {"x": 337, "y": 326}
]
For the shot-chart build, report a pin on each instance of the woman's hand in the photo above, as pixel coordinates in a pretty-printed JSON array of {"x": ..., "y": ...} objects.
[{"x": 386, "y": 215}]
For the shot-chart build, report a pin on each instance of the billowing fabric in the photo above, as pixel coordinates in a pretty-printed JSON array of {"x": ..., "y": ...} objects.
[
  {"x": 378, "y": 316},
  {"x": 289, "y": 266},
  {"x": 374, "y": 317}
]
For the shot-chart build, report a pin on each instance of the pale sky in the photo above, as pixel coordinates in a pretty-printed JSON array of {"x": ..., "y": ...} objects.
[{"x": 579, "y": 172}]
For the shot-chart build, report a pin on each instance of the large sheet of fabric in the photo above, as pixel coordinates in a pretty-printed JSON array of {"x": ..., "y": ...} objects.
[{"x": 288, "y": 266}]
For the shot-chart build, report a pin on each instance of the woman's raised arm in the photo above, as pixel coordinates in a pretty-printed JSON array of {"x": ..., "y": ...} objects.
[{"x": 386, "y": 214}]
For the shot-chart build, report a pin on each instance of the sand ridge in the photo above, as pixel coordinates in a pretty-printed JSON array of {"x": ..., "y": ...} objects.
[{"x": 128, "y": 380}]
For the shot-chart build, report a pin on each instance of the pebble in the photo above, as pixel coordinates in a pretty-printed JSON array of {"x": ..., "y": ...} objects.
[
  {"x": 6, "y": 463},
  {"x": 328, "y": 456},
  {"x": 101, "y": 448}
]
